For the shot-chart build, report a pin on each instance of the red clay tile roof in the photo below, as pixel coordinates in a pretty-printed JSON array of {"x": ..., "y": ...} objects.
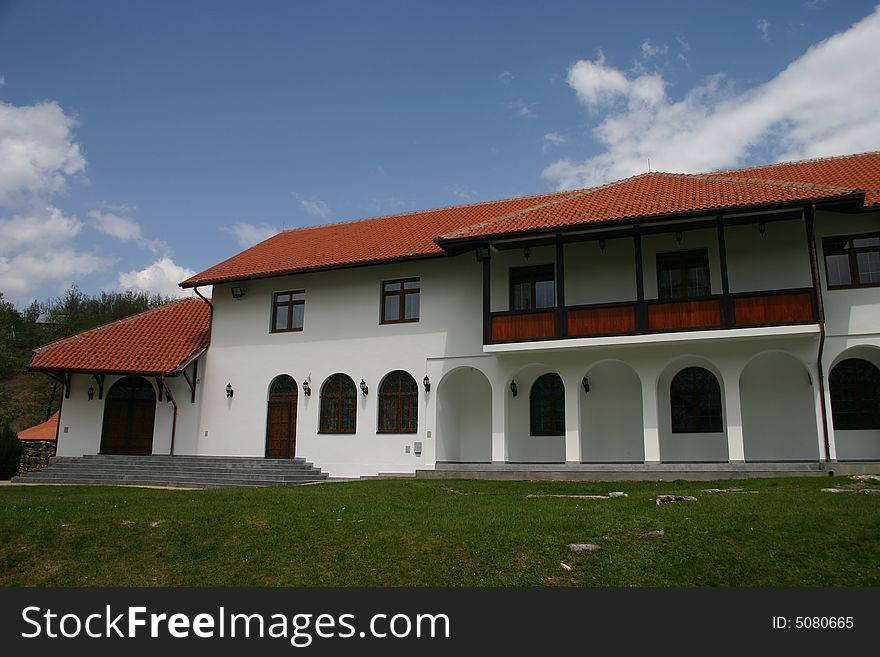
[
  {"x": 157, "y": 341},
  {"x": 47, "y": 430},
  {"x": 413, "y": 235},
  {"x": 649, "y": 195},
  {"x": 860, "y": 171},
  {"x": 383, "y": 239}
]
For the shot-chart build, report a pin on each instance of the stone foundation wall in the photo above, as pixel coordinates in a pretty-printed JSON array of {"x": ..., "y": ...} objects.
[{"x": 35, "y": 454}]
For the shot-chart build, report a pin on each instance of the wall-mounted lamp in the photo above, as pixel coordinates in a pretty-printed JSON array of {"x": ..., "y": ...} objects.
[
  {"x": 237, "y": 292},
  {"x": 602, "y": 245},
  {"x": 364, "y": 389},
  {"x": 427, "y": 383},
  {"x": 229, "y": 390},
  {"x": 678, "y": 236},
  {"x": 585, "y": 382},
  {"x": 91, "y": 393},
  {"x": 513, "y": 388},
  {"x": 307, "y": 389},
  {"x": 527, "y": 252},
  {"x": 762, "y": 228},
  {"x": 483, "y": 253}
]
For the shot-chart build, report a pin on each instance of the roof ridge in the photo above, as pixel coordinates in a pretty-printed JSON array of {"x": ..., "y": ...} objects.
[
  {"x": 575, "y": 193},
  {"x": 763, "y": 181},
  {"x": 804, "y": 161},
  {"x": 125, "y": 320}
]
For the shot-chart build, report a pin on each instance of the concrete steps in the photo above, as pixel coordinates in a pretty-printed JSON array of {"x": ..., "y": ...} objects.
[{"x": 175, "y": 471}]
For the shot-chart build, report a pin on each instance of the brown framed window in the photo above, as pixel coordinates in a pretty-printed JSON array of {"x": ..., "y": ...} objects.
[
  {"x": 288, "y": 311},
  {"x": 400, "y": 300},
  {"x": 855, "y": 395},
  {"x": 398, "y": 403},
  {"x": 683, "y": 275},
  {"x": 338, "y": 405},
  {"x": 532, "y": 287},
  {"x": 695, "y": 401},
  {"x": 852, "y": 260},
  {"x": 547, "y": 406}
]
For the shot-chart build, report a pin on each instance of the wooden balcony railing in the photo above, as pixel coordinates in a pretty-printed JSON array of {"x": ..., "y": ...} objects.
[{"x": 750, "y": 309}]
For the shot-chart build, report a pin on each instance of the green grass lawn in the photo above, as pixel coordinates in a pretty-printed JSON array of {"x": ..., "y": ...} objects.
[{"x": 439, "y": 533}]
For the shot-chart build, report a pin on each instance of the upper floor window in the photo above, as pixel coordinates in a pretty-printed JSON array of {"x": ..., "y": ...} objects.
[
  {"x": 852, "y": 260},
  {"x": 400, "y": 301},
  {"x": 288, "y": 310},
  {"x": 532, "y": 287},
  {"x": 683, "y": 275}
]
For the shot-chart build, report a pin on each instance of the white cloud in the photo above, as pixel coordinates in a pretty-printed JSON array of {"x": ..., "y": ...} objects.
[
  {"x": 506, "y": 77},
  {"x": 554, "y": 138},
  {"x": 249, "y": 234},
  {"x": 2, "y": 80},
  {"x": 161, "y": 277},
  {"x": 39, "y": 230},
  {"x": 24, "y": 272},
  {"x": 807, "y": 110},
  {"x": 314, "y": 207},
  {"x": 763, "y": 26},
  {"x": 463, "y": 193},
  {"x": 523, "y": 109},
  {"x": 37, "y": 152},
  {"x": 114, "y": 222},
  {"x": 649, "y": 50}
]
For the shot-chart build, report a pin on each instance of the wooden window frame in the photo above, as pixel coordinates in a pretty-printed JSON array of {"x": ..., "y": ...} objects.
[
  {"x": 402, "y": 397},
  {"x": 340, "y": 398},
  {"x": 692, "y": 424},
  {"x": 854, "y": 393},
  {"x": 851, "y": 252},
  {"x": 684, "y": 257},
  {"x": 532, "y": 275},
  {"x": 550, "y": 405},
  {"x": 402, "y": 293},
  {"x": 290, "y": 306}
]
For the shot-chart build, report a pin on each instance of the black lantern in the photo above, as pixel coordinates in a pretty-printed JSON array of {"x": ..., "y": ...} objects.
[
  {"x": 307, "y": 388},
  {"x": 364, "y": 389},
  {"x": 427, "y": 383},
  {"x": 602, "y": 245},
  {"x": 678, "y": 236},
  {"x": 483, "y": 254},
  {"x": 229, "y": 390},
  {"x": 91, "y": 393},
  {"x": 237, "y": 292},
  {"x": 585, "y": 382},
  {"x": 513, "y": 389},
  {"x": 762, "y": 228}
]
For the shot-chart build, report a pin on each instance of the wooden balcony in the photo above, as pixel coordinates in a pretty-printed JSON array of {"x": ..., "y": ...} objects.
[{"x": 740, "y": 310}]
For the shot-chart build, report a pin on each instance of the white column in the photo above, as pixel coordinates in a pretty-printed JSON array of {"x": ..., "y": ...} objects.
[
  {"x": 651, "y": 418},
  {"x": 733, "y": 414},
  {"x": 573, "y": 392},
  {"x": 499, "y": 414}
]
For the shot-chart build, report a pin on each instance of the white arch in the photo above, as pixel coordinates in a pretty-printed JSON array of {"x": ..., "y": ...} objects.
[
  {"x": 854, "y": 444},
  {"x": 464, "y": 416},
  {"x": 778, "y": 409},
  {"x": 611, "y": 425},
  {"x": 689, "y": 447},
  {"x": 521, "y": 446}
]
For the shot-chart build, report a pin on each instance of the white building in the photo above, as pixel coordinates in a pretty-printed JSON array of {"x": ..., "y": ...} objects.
[{"x": 729, "y": 319}]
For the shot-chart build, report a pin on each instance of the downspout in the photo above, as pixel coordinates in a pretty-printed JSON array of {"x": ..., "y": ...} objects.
[
  {"x": 174, "y": 417},
  {"x": 810, "y": 215}
]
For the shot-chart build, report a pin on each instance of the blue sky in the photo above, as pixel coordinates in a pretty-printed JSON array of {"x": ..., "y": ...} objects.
[{"x": 142, "y": 141}]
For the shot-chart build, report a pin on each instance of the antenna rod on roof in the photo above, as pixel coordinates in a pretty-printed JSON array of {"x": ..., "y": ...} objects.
[{"x": 649, "y": 165}]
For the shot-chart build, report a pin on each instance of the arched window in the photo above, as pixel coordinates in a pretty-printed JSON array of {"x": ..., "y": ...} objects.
[
  {"x": 338, "y": 405},
  {"x": 855, "y": 395},
  {"x": 695, "y": 400},
  {"x": 398, "y": 403},
  {"x": 547, "y": 406}
]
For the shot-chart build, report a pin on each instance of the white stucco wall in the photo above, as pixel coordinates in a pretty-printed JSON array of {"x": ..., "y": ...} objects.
[
  {"x": 464, "y": 417},
  {"x": 594, "y": 276},
  {"x": 778, "y": 260},
  {"x": 611, "y": 415}
]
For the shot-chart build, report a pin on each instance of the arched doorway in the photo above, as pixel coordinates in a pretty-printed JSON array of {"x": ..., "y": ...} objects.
[
  {"x": 464, "y": 417},
  {"x": 281, "y": 419},
  {"x": 612, "y": 430},
  {"x": 129, "y": 414}
]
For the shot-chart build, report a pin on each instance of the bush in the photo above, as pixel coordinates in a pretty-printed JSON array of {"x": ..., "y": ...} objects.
[{"x": 10, "y": 453}]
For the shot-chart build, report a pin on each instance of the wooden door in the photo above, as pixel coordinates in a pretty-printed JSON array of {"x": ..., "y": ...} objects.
[
  {"x": 281, "y": 419},
  {"x": 129, "y": 415}
]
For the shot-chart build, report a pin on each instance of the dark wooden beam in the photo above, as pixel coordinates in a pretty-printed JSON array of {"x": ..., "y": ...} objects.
[
  {"x": 192, "y": 382},
  {"x": 160, "y": 384},
  {"x": 809, "y": 221},
  {"x": 561, "y": 330},
  {"x": 726, "y": 303},
  {"x": 99, "y": 379}
]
